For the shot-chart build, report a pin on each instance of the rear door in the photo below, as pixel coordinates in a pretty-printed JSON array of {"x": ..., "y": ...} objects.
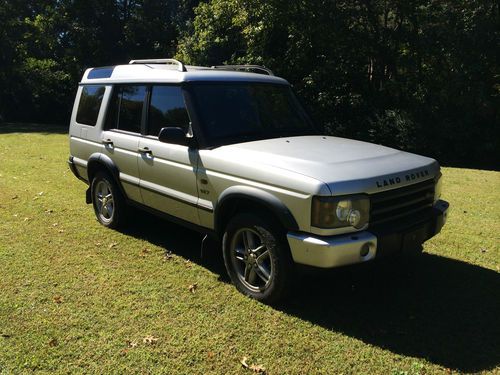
[
  {"x": 168, "y": 171},
  {"x": 122, "y": 133}
]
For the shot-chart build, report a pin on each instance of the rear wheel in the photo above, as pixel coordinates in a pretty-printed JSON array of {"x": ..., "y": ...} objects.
[
  {"x": 257, "y": 258},
  {"x": 109, "y": 204}
]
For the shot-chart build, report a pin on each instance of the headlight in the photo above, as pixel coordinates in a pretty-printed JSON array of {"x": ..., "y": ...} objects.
[
  {"x": 438, "y": 187},
  {"x": 338, "y": 212}
]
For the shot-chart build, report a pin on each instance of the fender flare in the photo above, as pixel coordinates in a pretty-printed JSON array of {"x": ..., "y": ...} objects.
[
  {"x": 103, "y": 160},
  {"x": 264, "y": 198}
]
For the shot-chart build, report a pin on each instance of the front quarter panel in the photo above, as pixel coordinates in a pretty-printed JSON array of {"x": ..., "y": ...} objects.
[{"x": 220, "y": 173}]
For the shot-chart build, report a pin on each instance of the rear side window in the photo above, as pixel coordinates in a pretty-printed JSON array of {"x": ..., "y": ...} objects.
[
  {"x": 125, "y": 110},
  {"x": 90, "y": 103},
  {"x": 167, "y": 108}
]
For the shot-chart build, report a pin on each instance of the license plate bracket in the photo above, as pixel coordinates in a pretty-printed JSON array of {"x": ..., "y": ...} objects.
[{"x": 412, "y": 240}]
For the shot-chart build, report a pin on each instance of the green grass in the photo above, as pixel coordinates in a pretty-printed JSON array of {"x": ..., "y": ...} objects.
[{"x": 77, "y": 297}]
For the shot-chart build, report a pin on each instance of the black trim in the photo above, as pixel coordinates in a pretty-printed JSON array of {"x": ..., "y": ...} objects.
[
  {"x": 73, "y": 169},
  {"x": 211, "y": 210},
  {"x": 145, "y": 111},
  {"x": 97, "y": 159},
  {"x": 257, "y": 196},
  {"x": 169, "y": 196},
  {"x": 174, "y": 219}
]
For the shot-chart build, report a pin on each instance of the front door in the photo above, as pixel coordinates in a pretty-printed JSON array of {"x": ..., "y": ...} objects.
[{"x": 168, "y": 171}]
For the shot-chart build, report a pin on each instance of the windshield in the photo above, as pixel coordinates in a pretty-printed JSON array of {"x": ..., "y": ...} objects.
[{"x": 236, "y": 112}]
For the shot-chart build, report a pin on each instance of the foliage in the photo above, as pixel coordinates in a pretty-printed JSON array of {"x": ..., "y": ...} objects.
[
  {"x": 45, "y": 47},
  {"x": 420, "y": 75}
]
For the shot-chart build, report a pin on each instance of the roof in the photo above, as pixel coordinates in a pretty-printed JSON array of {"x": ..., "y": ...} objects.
[{"x": 137, "y": 72}]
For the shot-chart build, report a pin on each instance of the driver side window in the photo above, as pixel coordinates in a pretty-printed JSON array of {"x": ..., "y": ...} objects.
[{"x": 167, "y": 109}]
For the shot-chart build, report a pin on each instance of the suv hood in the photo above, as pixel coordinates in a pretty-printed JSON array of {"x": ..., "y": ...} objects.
[{"x": 346, "y": 166}]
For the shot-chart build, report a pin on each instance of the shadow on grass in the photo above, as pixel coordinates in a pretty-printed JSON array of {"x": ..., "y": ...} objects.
[
  {"x": 436, "y": 308},
  {"x": 8, "y": 128},
  {"x": 177, "y": 239}
]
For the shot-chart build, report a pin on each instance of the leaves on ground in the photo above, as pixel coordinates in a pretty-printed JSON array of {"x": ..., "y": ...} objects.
[
  {"x": 132, "y": 344},
  {"x": 150, "y": 340},
  {"x": 58, "y": 299},
  {"x": 192, "y": 288},
  {"x": 259, "y": 369}
]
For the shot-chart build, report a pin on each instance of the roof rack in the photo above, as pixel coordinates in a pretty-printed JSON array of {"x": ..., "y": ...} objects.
[
  {"x": 180, "y": 65},
  {"x": 248, "y": 68}
]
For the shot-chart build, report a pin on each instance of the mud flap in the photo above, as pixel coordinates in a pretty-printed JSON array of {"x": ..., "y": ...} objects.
[{"x": 88, "y": 196}]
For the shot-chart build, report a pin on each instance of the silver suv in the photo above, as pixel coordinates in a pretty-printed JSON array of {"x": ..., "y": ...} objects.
[{"x": 229, "y": 151}]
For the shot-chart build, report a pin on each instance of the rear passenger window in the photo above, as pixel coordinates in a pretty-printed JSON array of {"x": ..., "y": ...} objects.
[
  {"x": 167, "y": 109},
  {"x": 90, "y": 103},
  {"x": 125, "y": 110}
]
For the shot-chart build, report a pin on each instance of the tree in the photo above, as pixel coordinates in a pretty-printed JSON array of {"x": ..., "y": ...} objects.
[
  {"x": 46, "y": 45},
  {"x": 419, "y": 75}
]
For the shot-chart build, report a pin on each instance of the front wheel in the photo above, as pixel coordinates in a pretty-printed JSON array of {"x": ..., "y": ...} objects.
[{"x": 257, "y": 258}]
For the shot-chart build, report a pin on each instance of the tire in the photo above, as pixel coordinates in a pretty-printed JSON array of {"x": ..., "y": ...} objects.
[
  {"x": 257, "y": 258},
  {"x": 109, "y": 204}
]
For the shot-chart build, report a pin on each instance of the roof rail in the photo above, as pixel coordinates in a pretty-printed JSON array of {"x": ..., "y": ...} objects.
[
  {"x": 180, "y": 65},
  {"x": 257, "y": 68}
]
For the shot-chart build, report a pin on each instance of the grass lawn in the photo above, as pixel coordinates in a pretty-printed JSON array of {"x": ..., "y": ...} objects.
[{"x": 77, "y": 297}]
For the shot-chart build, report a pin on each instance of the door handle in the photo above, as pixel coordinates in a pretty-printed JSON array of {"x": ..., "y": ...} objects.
[
  {"x": 107, "y": 142},
  {"x": 145, "y": 151}
]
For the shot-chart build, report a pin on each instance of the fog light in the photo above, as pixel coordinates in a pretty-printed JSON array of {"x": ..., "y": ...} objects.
[{"x": 365, "y": 249}]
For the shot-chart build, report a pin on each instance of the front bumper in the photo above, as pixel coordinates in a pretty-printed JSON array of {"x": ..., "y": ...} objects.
[{"x": 336, "y": 251}]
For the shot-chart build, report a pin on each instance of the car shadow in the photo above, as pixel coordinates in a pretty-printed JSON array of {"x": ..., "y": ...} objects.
[
  {"x": 439, "y": 309},
  {"x": 8, "y": 128},
  {"x": 179, "y": 240}
]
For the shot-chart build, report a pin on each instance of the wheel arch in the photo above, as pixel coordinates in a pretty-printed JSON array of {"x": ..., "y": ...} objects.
[
  {"x": 99, "y": 162},
  {"x": 245, "y": 198}
]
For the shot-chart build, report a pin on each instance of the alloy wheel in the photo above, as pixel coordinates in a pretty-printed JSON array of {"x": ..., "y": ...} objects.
[{"x": 251, "y": 260}]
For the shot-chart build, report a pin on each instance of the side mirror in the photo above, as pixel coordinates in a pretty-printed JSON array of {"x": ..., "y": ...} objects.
[{"x": 173, "y": 135}]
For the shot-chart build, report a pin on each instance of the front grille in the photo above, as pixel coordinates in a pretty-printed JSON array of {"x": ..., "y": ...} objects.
[{"x": 398, "y": 204}]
